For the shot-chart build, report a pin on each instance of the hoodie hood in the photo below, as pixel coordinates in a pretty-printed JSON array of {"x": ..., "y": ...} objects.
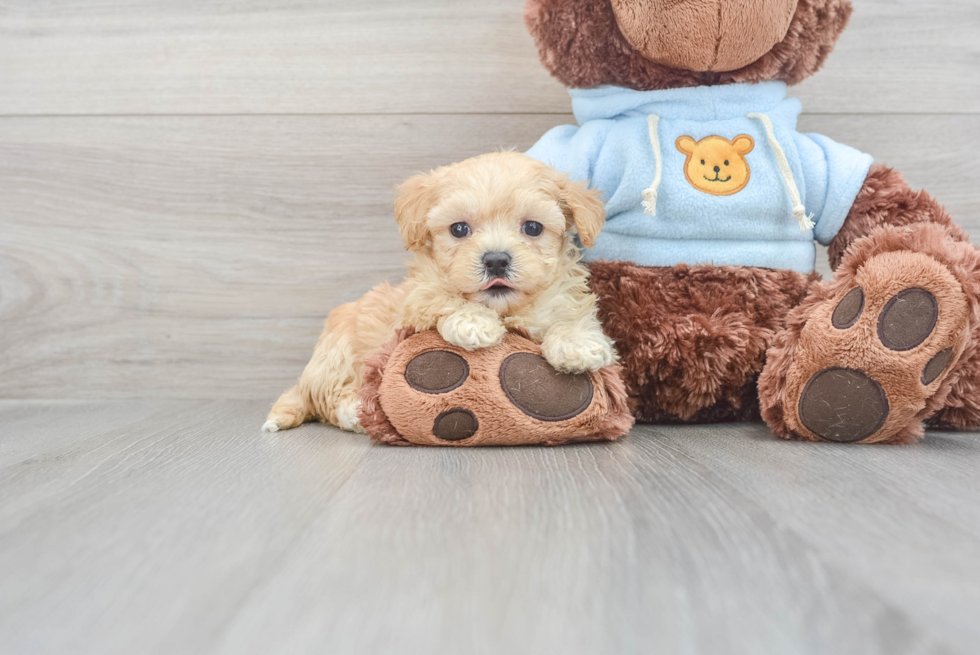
[{"x": 701, "y": 103}]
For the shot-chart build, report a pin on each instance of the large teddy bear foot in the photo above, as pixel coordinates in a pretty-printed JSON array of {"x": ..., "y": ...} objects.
[
  {"x": 420, "y": 389},
  {"x": 865, "y": 358}
]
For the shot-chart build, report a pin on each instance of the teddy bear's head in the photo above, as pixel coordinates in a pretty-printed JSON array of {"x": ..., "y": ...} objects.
[{"x": 663, "y": 44}]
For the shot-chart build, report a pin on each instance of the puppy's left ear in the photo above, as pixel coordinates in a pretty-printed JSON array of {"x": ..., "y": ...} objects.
[
  {"x": 416, "y": 196},
  {"x": 583, "y": 208}
]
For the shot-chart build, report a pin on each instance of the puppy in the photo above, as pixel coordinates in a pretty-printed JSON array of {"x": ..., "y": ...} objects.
[{"x": 492, "y": 252}]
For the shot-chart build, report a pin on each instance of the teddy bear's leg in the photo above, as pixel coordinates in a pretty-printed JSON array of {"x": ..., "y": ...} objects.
[
  {"x": 692, "y": 340},
  {"x": 421, "y": 389},
  {"x": 891, "y": 340}
]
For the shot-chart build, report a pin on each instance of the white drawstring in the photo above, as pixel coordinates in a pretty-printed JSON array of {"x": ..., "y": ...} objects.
[
  {"x": 799, "y": 211},
  {"x": 650, "y": 194}
]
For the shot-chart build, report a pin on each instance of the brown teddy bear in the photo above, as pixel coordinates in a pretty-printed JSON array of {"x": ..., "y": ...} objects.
[
  {"x": 713, "y": 200},
  {"x": 704, "y": 270}
]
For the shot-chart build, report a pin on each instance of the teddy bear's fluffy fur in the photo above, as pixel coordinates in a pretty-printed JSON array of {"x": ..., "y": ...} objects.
[
  {"x": 448, "y": 287},
  {"x": 580, "y": 43},
  {"x": 693, "y": 339}
]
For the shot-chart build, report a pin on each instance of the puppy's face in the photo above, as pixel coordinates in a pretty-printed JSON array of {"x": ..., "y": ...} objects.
[{"x": 494, "y": 226}]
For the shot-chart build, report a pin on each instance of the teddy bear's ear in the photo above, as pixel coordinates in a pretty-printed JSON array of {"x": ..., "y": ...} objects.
[
  {"x": 416, "y": 196},
  {"x": 582, "y": 207},
  {"x": 686, "y": 144},
  {"x": 743, "y": 144}
]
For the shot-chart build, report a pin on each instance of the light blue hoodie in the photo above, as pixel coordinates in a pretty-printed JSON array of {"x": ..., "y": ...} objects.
[{"x": 662, "y": 211}]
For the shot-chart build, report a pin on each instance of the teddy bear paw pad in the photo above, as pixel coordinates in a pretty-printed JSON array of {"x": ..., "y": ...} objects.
[
  {"x": 436, "y": 371},
  {"x": 426, "y": 391},
  {"x": 849, "y": 309},
  {"x": 842, "y": 404},
  {"x": 872, "y": 355},
  {"x": 907, "y": 319},
  {"x": 455, "y": 424},
  {"x": 540, "y": 391}
]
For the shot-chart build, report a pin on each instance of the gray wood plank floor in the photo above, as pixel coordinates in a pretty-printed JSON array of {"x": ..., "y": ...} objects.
[{"x": 176, "y": 527}]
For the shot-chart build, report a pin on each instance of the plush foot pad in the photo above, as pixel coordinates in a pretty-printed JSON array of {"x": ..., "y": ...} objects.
[
  {"x": 421, "y": 390},
  {"x": 871, "y": 356}
]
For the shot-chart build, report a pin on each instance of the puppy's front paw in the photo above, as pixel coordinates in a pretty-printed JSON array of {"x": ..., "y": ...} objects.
[
  {"x": 472, "y": 328},
  {"x": 577, "y": 353}
]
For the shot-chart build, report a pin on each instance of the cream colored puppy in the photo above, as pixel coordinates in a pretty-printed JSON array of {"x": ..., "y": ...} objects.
[{"x": 492, "y": 251}]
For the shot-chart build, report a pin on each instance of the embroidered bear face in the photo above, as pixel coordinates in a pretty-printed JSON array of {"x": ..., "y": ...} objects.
[{"x": 716, "y": 165}]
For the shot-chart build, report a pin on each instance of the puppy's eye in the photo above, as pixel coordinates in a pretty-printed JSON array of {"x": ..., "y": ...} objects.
[
  {"x": 726, "y": 162},
  {"x": 702, "y": 162},
  {"x": 532, "y": 228},
  {"x": 459, "y": 230}
]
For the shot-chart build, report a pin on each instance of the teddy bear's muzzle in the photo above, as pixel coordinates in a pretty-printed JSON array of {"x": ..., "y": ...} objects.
[{"x": 704, "y": 36}]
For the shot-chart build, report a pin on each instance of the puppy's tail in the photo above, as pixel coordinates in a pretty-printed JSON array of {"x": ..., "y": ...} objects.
[{"x": 288, "y": 412}]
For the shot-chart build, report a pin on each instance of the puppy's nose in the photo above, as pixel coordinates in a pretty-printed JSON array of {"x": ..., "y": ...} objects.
[
  {"x": 496, "y": 263},
  {"x": 717, "y": 169}
]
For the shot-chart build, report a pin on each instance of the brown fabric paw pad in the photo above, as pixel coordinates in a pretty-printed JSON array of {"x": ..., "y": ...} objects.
[
  {"x": 842, "y": 404},
  {"x": 875, "y": 350},
  {"x": 421, "y": 390},
  {"x": 540, "y": 391}
]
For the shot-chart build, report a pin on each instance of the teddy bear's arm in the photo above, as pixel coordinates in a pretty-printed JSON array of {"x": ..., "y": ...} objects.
[{"x": 886, "y": 199}]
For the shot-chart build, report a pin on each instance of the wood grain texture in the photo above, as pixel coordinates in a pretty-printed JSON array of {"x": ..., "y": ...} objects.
[
  {"x": 392, "y": 56},
  {"x": 198, "y": 256},
  {"x": 850, "y": 526},
  {"x": 145, "y": 534},
  {"x": 178, "y": 527}
]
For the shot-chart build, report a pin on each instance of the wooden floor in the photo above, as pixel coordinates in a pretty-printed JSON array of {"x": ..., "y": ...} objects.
[
  {"x": 174, "y": 526},
  {"x": 187, "y": 188}
]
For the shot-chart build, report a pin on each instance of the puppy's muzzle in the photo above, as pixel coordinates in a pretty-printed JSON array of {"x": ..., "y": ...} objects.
[{"x": 497, "y": 264}]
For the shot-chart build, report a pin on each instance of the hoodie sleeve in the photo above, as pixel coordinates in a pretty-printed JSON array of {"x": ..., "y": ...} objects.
[
  {"x": 834, "y": 174},
  {"x": 572, "y": 149}
]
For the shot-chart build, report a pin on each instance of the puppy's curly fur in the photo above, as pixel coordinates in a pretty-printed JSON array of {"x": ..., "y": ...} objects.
[{"x": 454, "y": 287}]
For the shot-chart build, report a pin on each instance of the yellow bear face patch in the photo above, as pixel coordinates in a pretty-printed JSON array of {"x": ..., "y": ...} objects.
[{"x": 716, "y": 165}]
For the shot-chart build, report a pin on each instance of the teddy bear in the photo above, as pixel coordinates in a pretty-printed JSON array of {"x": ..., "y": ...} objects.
[{"x": 705, "y": 269}]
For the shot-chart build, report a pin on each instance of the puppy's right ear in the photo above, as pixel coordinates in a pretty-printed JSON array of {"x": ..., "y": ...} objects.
[
  {"x": 583, "y": 208},
  {"x": 416, "y": 196}
]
